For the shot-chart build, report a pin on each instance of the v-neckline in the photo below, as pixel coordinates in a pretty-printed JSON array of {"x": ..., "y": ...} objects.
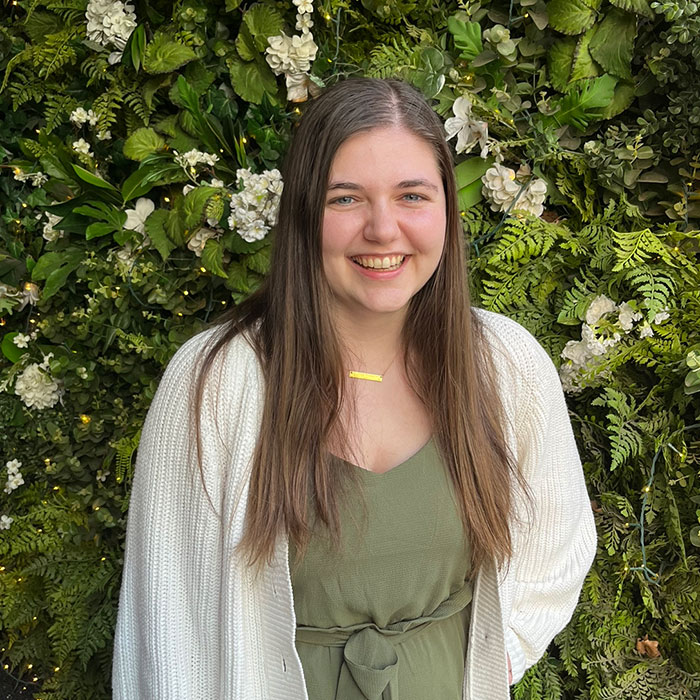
[{"x": 406, "y": 461}]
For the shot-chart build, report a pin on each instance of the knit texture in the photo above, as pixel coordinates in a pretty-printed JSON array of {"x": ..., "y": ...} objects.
[{"x": 196, "y": 624}]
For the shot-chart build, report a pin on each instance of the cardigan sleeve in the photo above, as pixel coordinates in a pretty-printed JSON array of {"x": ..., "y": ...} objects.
[
  {"x": 167, "y": 643},
  {"x": 554, "y": 537}
]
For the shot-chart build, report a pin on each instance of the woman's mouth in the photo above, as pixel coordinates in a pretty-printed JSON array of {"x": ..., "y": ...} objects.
[{"x": 373, "y": 262}]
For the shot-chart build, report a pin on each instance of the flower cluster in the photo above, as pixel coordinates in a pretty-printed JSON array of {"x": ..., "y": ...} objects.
[
  {"x": 190, "y": 160},
  {"x": 110, "y": 23},
  {"x": 5, "y": 522},
  {"x": 36, "y": 387},
  {"x": 83, "y": 147},
  {"x": 599, "y": 333},
  {"x": 506, "y": 189},
  {"x": 37, "y": 179},
  {"x": 292, "y": 56},
  {"x": 254, "y": 207},
  {"x": 14, "y": 476},
  {"x": 469, "y": 131},
  {"x": 50, "y": 233},
  {"x": 81, "y": 116}
]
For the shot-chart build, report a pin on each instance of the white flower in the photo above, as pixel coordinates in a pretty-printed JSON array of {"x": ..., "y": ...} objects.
[
  {"x": 80, "y": 116},
  {"x": 627, "y": 316},
  {"x": 36, "y": 388},
  {"x": 599, "y": 307},
  {"x": 304, "y": 6},
  {"x": 104, "y": 135},
  {"x": 110, "y": 22},
  {"x": 50, "y": 233},
  {"x": 576, "y": 351},
  {"x": 13, "y": 466},
  {"x": 254, "y": 208},
  {"x": 216, "y": 182},
  {"x": 5, "y": 522},
  {"x": 594, "y": 345},
  {"x": 661, "y": 316},
  {"x": 199, "y": 240},
  {"x": 532, "y": 198},
  {"x": 82, "y": 146},
  {"x": 304, "y": 22},
  {"x": 136, "y": 217},
  {"x": 82, "y": 372},
  {"x": 21, "y": 340},
  {"x": 29, "y": 295},
  {"x": 500, "y": 186},
  {"x": 14, "y": 481},
  {"x": 646, "y": 331},
  {"x": 469, "y": 131},
  {"x": 102, "y": 476},
  {"x": 290, "y": 55},
  {"x": 193, "y": 158},
  {"x": 37, "y": 179}
]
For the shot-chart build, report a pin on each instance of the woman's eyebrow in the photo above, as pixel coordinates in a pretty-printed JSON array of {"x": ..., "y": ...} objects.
[
  {"x": 343, "y": 186},
  {"x": 404, "y": 184}
]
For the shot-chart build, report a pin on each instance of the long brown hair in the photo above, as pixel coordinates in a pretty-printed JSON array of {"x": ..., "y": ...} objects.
[{"x": 290, "y": 323}]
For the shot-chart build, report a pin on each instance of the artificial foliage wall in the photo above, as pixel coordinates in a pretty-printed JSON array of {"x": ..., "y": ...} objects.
[{"x": 138, "y": 194}]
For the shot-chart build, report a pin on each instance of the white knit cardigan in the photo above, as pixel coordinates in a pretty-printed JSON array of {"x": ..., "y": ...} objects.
[{"x": 195, "y": 624}]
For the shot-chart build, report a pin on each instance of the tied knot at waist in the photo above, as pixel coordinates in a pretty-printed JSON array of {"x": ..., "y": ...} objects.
[{"x": 370, "y": 662}]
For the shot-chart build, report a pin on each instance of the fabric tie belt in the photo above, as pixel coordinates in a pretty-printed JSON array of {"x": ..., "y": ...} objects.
[{"x": 370, "y": 663}]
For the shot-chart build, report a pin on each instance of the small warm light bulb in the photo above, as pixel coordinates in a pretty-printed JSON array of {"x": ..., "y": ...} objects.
[
  {"x": 223, "y": 302},
  {"x": 56, "y": 488},
  {"x": 20, "y": 579},
  {"x": 24, "y": 205},
  {"x": 244, "y": 140},
  {"x": 202, "y": 269},
  {"x": 30, "y": 666},
  {"x": 96, "y": 507},
  {"x": 6, "y": 667},
  {"x": 85, "y": 419},
  {"x": 103, "y": 559},
  {"x": 327, "y": 16},
  {"x": 166, "y": 199},
  {"x": 47, "y": 461},
  {"x": 32, "y": 320},
  {"x": 221, "y": 150},
  {"x": 2, "y": 321},
  {"x": 56, "y": 669},
  {"x": 35, "y": 678},
  {"x": 34, "y": 618},
  {"x": 179, "y": 313},
  {"x": 186, "y": 293},
  {"x": 646, "y": 489}
]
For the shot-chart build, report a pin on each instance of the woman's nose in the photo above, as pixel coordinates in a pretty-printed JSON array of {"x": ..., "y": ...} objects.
[{"x": 382, "y": 225}]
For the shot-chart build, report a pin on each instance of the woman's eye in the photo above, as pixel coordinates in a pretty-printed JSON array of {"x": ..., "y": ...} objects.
[
  {"x": 342, "y": 200},
  {"x": 412, "y": 197}
]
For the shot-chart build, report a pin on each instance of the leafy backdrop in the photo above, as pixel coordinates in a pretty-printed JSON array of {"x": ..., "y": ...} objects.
[{"x": 138, "y": 191}]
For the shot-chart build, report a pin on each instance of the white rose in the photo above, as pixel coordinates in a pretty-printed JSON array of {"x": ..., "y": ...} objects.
[
  {"x": 599, "y": 307},
  {"x": 36, "y": 388}
]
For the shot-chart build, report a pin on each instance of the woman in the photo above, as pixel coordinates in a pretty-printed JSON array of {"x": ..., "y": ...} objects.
[{"x": 356, "y": 486}]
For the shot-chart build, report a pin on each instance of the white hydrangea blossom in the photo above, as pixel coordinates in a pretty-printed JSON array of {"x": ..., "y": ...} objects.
[
  {"x": 292, "y": 56},
  {"x": 199, "y": 240},
  {"x": 82, "y": 146},
  {"x": 254, "y": 208},
  {"x": 599, "y": 307},
  {"x": 646, "y": 331},
  {"x": 661, "y": 316},
  {"x": 5, "y": 522},
  {"x": 627, "y": 316},
  {"x": 37, "y": 179},
  {"x": 36, "y": 387},
  {"x": 110, "y": 23},
  {"x": 14, "y": 476},
  {"x": 469, "y": 131},
  {"x": 502, "y": 185},
  {"x": 81, "y": 116}
]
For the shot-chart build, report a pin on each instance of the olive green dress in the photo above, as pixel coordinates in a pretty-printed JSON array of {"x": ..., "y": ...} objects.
[{"x": 386, "y": 616}]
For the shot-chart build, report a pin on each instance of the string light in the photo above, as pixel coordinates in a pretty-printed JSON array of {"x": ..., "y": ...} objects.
[
  {"x": 2, "y": 321},
  {"x": 103, "y": 559},
  {"x": 166, "y": 199},
  {"x": 244, "y": 140},
  {"x": 202, "y": 269},
  {"x": 56, "y": 669},
  {"x": 24, "y": 205},
  {"x": 186, "y": 293},
  {"x": 85, "y": 419}
]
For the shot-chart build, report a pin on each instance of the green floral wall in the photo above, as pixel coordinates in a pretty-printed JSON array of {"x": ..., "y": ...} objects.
[{"x": 139, "y": 147}]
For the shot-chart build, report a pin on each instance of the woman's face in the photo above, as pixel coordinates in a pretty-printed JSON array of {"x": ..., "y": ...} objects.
[{"x": 384, "y": 222}]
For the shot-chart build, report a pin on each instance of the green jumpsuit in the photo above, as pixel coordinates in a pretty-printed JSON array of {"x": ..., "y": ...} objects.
[{"x": 386, "y": 616}]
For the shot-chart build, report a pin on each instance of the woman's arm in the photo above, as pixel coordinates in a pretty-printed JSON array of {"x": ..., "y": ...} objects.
[
  {"x": 555, "y": 540},
  {"x": 167, "y": 638}
]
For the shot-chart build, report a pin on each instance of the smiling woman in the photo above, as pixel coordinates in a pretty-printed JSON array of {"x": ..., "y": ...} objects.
[{"x": 355, "y": 486}]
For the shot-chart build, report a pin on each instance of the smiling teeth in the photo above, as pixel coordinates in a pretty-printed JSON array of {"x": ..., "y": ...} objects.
[{"x": 386, "y": 263}]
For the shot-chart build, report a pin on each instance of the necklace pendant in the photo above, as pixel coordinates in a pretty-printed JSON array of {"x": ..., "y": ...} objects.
[{"x": 365, "y": 375}]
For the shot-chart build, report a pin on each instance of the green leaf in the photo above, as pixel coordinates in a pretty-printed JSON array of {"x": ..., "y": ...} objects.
[
  {"x": 572, "y": 16},
  {"x": 98, "y": 229},
  {"x": 55, "y": 269},
  {"x": 259, "y": 262},
  {"x": 471, "y": 170},
  {"x": 194, "y": 204},
  {"x": 155, "y": 228},
  {"x": 467, "y": 36},
  {"x": 231, "y": 5},
  {"x": 695, "y": 536},
  {"x": 9, "y": 349},
  {"x": 251, "y": 80},
  {"x": 639, "y": 7},
  {"x": 559, "y": 61},
  {"x": 586, "y": 101},
  {"x": 55, "y": 281},
  {"x": 469, "y": 195},
  {"x": 613, "y": 43},
  {"x": 622, "y": 98},
  {"x": 93, "y": 180},
  {"x": 163, "y": 55},
  {"x": 583, "y": 65},
  {"x": 262, "y": 21},
  {"x": 143, "y": 142},
  {"x": 213, "y": 258}
]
